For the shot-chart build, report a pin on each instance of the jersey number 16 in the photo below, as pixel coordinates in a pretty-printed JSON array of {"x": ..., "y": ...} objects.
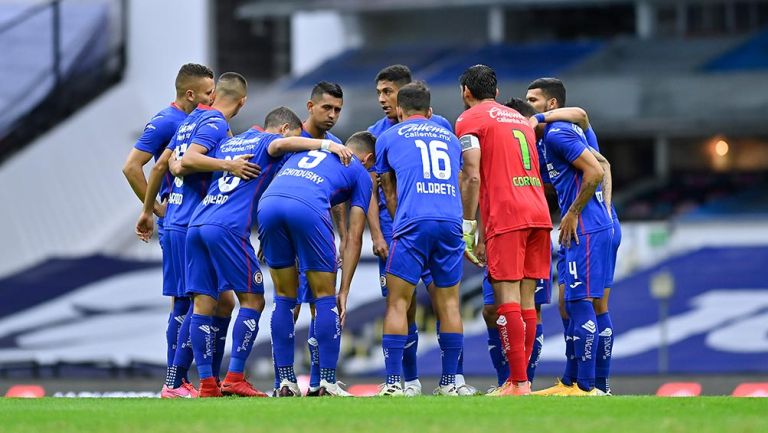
[{"x": 431, "y": 156}]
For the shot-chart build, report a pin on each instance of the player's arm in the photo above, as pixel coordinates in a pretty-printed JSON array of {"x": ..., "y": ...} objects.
[
  {"x": 145, "y": 225},
  {"x": 281, "y": 146},
  {"x": 592, "y": 176},
  {"x": 380, "y": 247},
  {"x": 607, "y": 184},
  {"x": 389, "y": 186},
  {"x": 195, "y": 160},
  {"x": 566, "y": 114},
  {"x": 339, "y": 217},
  {"x": 470, "y": 192},
  {"x": 133, "y": 169},
  {"x": 350, "y": 257}
]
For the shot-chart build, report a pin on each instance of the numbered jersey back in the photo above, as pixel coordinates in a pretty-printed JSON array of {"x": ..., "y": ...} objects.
[
  {"x": 511, "y": 190},
  {"x": 426, "y": 160},
  {"x": 319, "y": 179}
]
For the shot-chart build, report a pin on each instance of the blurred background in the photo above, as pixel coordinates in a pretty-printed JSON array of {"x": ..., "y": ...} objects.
[{"x": 677, "y": 91}]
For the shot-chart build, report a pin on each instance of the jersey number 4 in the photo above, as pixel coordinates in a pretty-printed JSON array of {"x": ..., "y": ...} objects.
[{"x": 432, "y": 156}]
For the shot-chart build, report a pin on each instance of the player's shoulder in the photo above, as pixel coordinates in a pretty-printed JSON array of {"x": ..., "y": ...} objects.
[
  {"x": 442, "y": 121},
  {"x": 561, "y": 129},
  {"x": 332, "y": 137},
  {"x": 381, "y": 126}
]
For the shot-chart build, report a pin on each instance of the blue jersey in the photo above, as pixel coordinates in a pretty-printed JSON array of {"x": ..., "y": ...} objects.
[
  {"x": 383, "y": 125},
  {"x": 542, "y": 161},
  {"x": 592, "y": 141},
  {"x": 156, "y": 136},
  {"x": 318, "y": 179},
  {"x": 426, "y": 159},
  {"x": 206, "y": 127},
  {"x": 328, "y": 136},
  {"x": 563, "y": 143},
  {"x": 232, "y": 202}
]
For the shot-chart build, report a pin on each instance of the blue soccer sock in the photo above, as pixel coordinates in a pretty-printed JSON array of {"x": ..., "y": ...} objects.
[
  {"x": 566, "y": 323},
  {"x": 604, "y": 351},
  {"x": 451, "y": 345},
  {"x": 584, "y": 332},
  {"x": 571, "y": 365},
  {"x": 183, "y": 357},
  {"x": 283, "y": 339},
  {"x": 220, "y": 328},
  {"x": 536, "y": 354},
  {"x": 243, "y": 336},
  {"x": 410, "y": 368},
  {"x": 393, "y": 346},
  {"x": 175, "y": 319},
  {"x": 497, "y": 356},
  {"x": 314, "y": 356},
  {"x": 328, "y": 335},
  {"x": 202, "y": 344}
]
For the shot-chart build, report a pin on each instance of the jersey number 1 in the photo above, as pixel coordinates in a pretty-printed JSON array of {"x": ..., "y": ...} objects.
[
  {"x": 432, "y": 156},
  {"x": 525, "y": 152}
]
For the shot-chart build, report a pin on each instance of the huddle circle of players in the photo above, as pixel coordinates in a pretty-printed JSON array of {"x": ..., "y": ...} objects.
[{"x": 418, "y": 184}]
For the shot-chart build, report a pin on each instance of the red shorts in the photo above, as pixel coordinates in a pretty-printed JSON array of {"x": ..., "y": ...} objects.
[{"x": 519, "y": 254}]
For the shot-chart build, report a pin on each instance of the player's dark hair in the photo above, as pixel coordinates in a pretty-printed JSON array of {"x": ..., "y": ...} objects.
[
  {"x": 363, "y": 141},
  {"x": 551, "y": 88},
  {"x": 326, "y": 88},
  {"x": 481, "y": 81},
  {"x": 280, "y": 116},
  {"x": 231, "y": 85},
  {"x": 188, "y": 72},
  {"x": 414, "y": 98},
  {"x": 522, "y": 107},
  {"x": 398, "y": 74}
]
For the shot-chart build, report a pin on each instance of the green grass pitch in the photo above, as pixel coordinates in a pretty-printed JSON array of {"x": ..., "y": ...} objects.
[{"x": 391, "y": 415}]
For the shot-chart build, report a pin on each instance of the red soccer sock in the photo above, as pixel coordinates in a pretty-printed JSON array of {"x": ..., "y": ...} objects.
[
  {"x": 512, "y": 333},
  {"x": 529, "y": 317}
]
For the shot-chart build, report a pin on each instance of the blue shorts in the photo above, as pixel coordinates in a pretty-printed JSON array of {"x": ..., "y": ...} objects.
[
  {"x": 173, "y": 243},
  {"x": 561, "y": 266},
  {"x": 304, "y": 294},
  {"x": 219, "y": 260},
  {"x": 615, "y": 243},
  {"x": 290, "y": 230},
  {"x": 543, "y": 293},
  {"x": 587, "y": 266},
  {"x": 436, "y": 246},
  {"x": 386, "y": 229}
]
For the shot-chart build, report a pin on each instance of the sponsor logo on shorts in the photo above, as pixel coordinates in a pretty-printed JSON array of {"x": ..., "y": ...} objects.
[
  {"x": 576, "y": 284},
  {"x": 258, "y": 278}
]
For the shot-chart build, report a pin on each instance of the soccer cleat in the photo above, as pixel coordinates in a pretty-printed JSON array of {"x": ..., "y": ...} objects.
[
  {"x": 333, "y": 389},
  {"x": 237, "y": 385},
  {"x": 288, "y": 389},
  {"x": 190, "y": 388},
  {"x": 511, "y": 389},
  {"x": 447, "y": 390},
  {"x": 558, "y": 389},
  {"x": 578, "y": 392},
  {"x": 392, "y": 390},
  {"x": 412, "y": 389},
  {"x": 496, "y": 390},
  {"x": 209, "y": 388},
  {"x": 465, "y": 390},
  {"x": 180, "y": 392}
]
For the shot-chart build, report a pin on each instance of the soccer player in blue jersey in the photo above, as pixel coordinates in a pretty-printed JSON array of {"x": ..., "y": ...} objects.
[
  {"x": 388, "y": 82},
  {"x": 549, "y": 94},
  {"x": 585, "y": 234},
  {"x": 324, "y": 109},
  {"x": 294, "y": 222},
  {"x": 202, "y": 131},
  {"x": 220, "y": 256},
  {"x": 194, "y": 85},
  {"x": 419, "y": 163}
]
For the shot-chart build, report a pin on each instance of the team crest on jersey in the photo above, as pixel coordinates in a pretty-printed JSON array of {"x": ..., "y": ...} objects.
[
  {"x": 179, "y": 182},
  {"x": 258, "y": 278}
]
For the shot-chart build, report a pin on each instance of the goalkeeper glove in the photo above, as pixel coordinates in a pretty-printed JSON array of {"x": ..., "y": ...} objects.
[{"x": 469, "y": 227}]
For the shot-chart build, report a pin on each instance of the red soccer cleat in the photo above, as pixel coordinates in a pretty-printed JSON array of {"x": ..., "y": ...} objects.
[
  {"x": 235, "y": 384},
  {"x": 209, "y": 388}
]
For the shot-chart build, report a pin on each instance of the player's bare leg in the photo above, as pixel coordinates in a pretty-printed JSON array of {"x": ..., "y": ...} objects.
[
  {"x": 244, "y": 334},
  {"x": 327, "y": 330},
  {"x": 286, "y": 281}
]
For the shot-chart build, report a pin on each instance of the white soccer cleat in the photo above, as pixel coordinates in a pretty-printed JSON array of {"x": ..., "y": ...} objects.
[
  {"x": 447, "y": 390},
  {"x": 465, "y": 390},
  {"x": 333, "y": 389},
  {"x": 412, "y": 388},
  {"x": 393, "y": 390},
  {"x": 288, "y": 389}
]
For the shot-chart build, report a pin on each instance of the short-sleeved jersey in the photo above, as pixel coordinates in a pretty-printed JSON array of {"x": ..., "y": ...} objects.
[
  {"x": 232, "y": 202},
  {"x": 319, "y": 179},
  {"x": 156, "y": 136},
  {"x": 563, "y": 143},
  {"x": 208, "y": 128},
  {"x": 328, "y": 136},
  {"x": 592, "y": 141},
  {"x": 383, "y": 125},
  {"x": 542, "y": 162},
  {"x": 426, "y": 160},
  {"x": 511, "y": 191}
]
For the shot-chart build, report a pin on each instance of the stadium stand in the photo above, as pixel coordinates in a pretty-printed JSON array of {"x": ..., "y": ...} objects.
[{"x": 750, "y": 55}]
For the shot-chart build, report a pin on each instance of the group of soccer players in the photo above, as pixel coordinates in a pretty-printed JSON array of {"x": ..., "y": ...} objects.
[{"x": 417, "y": 185}]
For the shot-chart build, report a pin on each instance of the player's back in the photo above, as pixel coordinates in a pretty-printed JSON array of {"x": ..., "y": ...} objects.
[
  {"x": 426, "y": 160},
  {"x": 383, "y": 124},
  {"x": 204, "y": 126},
  {"x": 319, "y": 179},
  {"x": 231, "y": 202},
  {"x": 156, "y": 136},
  {"x": 511, "y": 191},
  {"x": 563, "y": 143},
  {"x": 593, "y": 143}
]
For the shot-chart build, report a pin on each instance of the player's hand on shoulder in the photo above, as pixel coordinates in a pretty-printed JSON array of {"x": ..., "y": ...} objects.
[
  {"x": 243, "y": 168},
  {"x": 343, "y": 153},
  {"x": 174, "y": 166},
  {"x": 145, "y": 226}
]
